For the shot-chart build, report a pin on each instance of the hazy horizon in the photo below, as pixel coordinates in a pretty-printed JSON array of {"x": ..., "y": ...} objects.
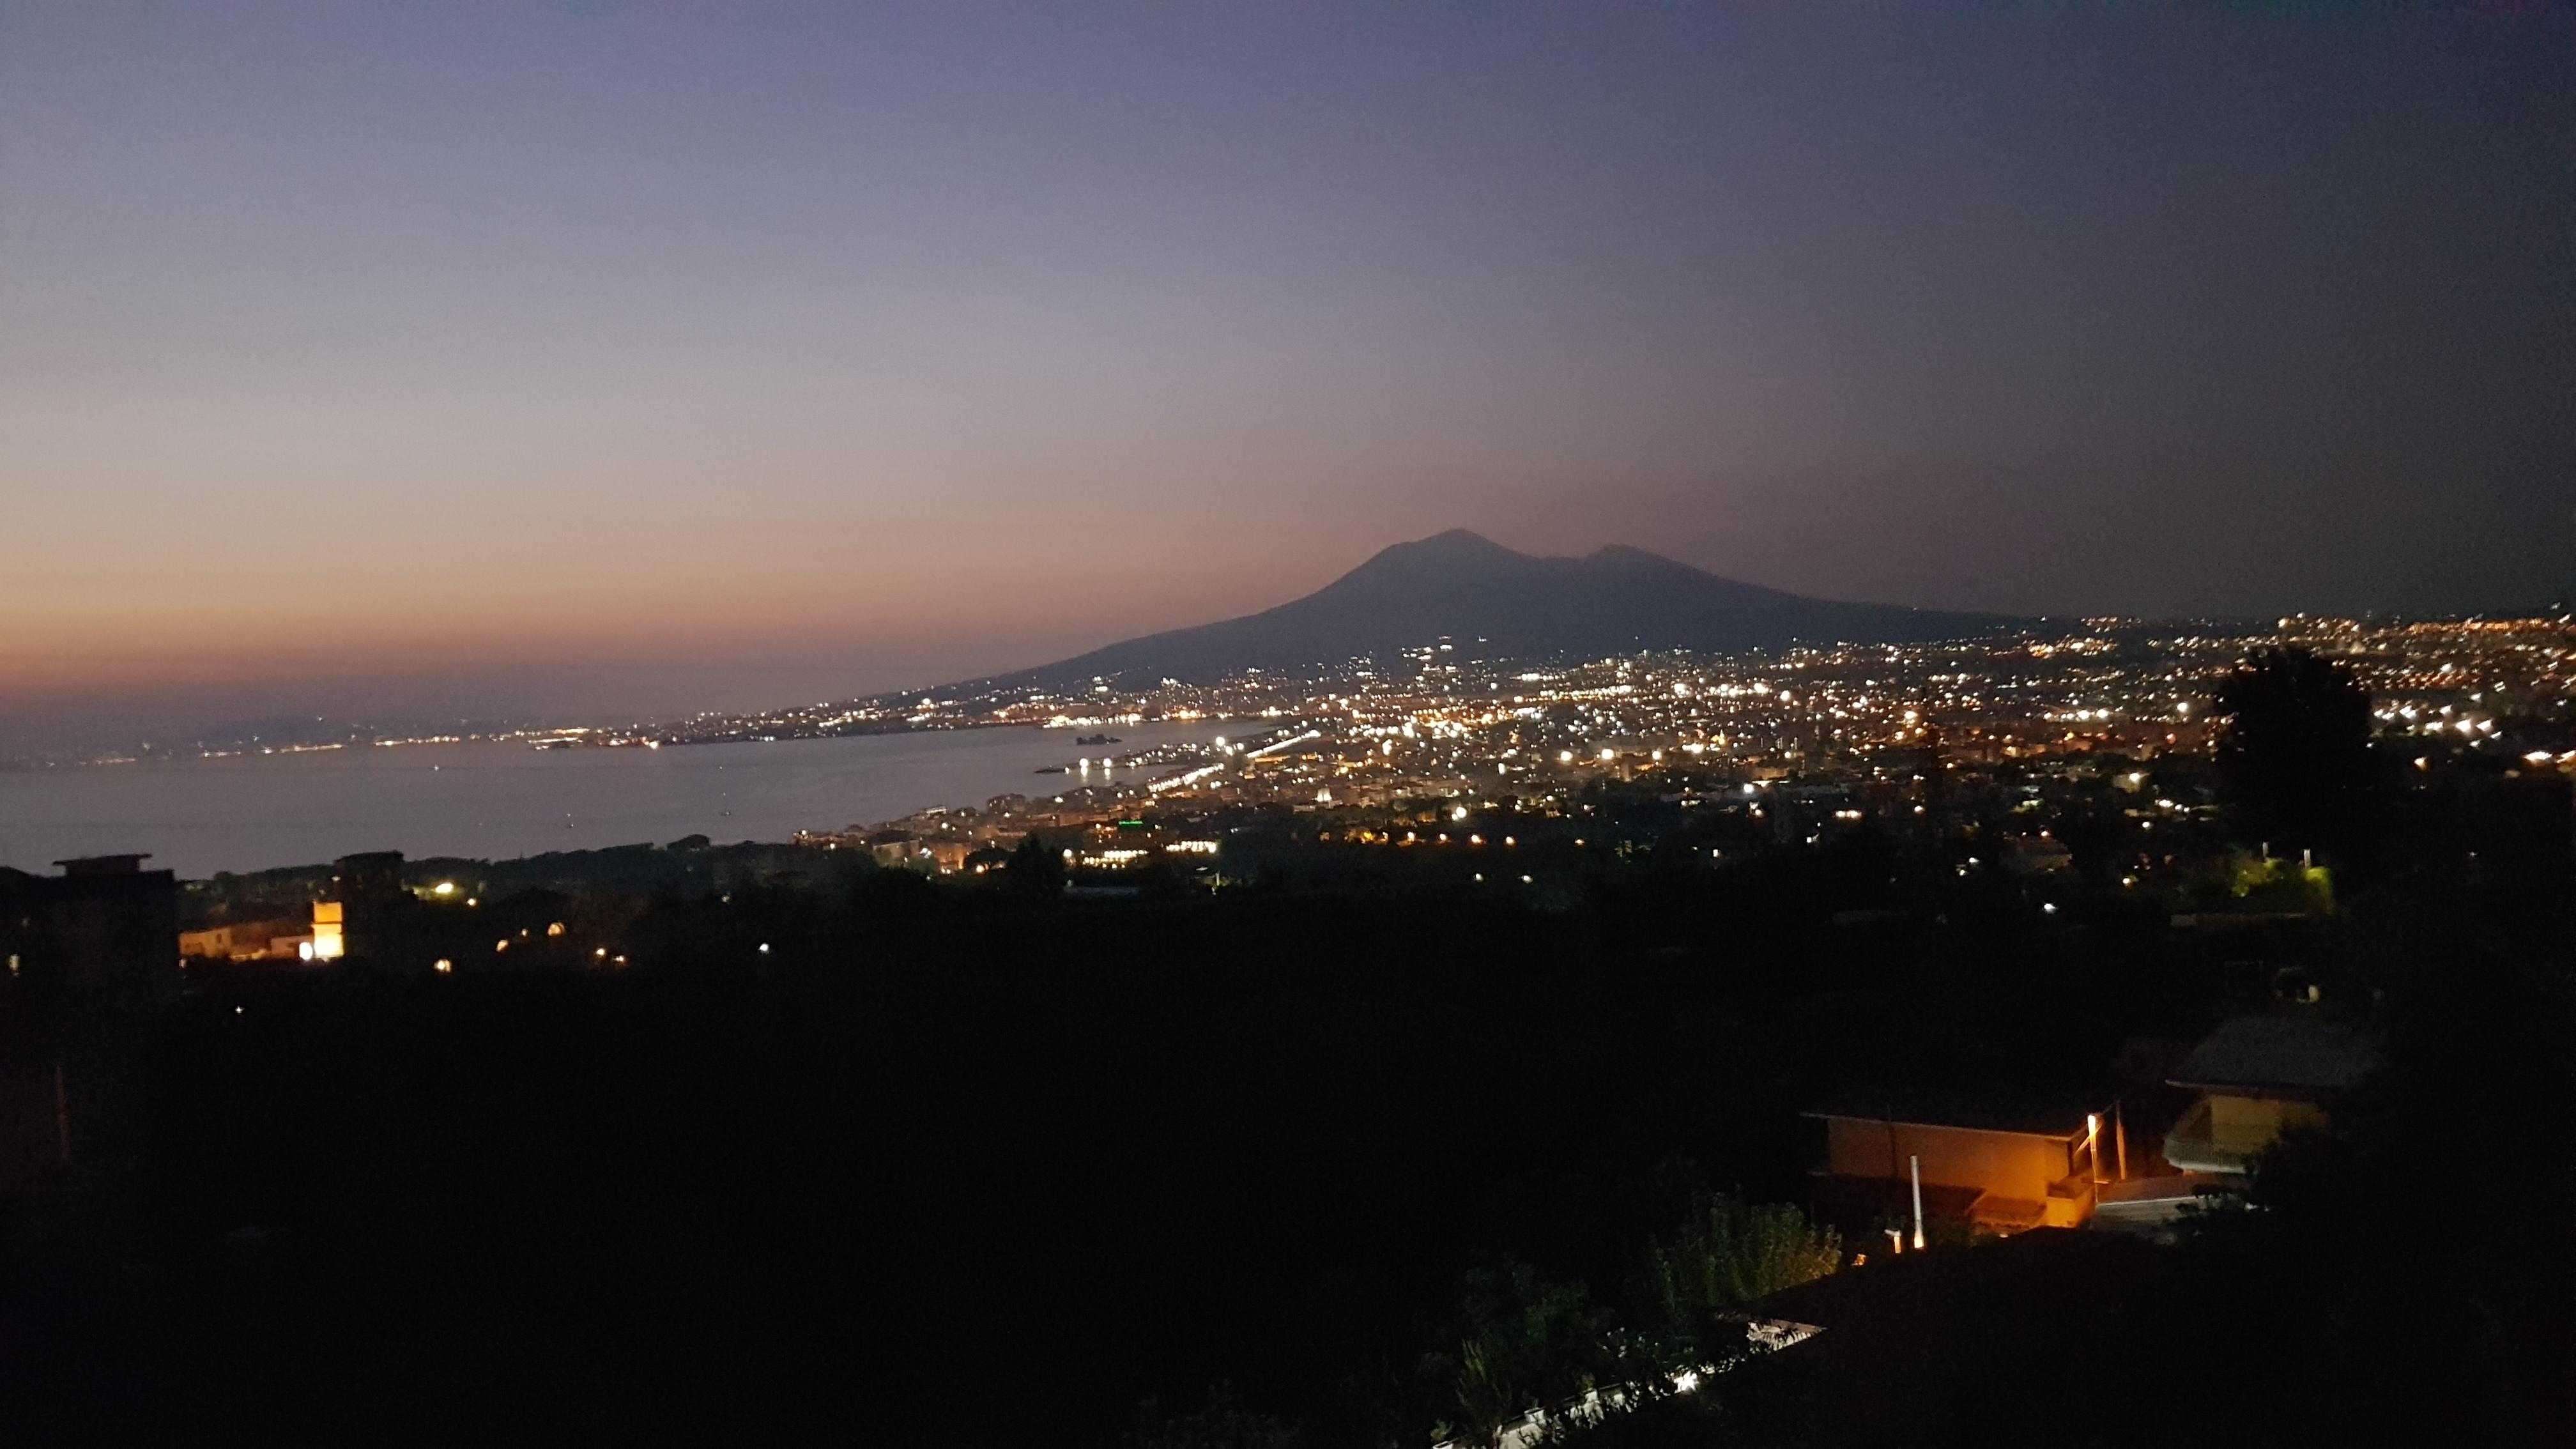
[{"x": 631, "y": 360}]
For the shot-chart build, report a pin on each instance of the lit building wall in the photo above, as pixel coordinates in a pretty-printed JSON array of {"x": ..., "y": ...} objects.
[
  {"x": 2008, "y": 1164},
  {"x": 330, "y": 941},
  {"x": 2241, "y": 1127}
]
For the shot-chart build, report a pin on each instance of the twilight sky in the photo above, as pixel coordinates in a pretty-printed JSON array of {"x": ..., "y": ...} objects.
[{"x": 592, "y": 358}]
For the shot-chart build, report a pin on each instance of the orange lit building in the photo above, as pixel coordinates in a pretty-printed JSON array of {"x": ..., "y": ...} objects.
[
  {"x": 2002, "y": 1162},
  {"x": 330, "y": 931},
  {"x": 245, "y": 940},
  {"x": 367, "y": 896}
]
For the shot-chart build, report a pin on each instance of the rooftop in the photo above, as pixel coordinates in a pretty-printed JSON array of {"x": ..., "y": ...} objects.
[
  {"x": 2044, "y": 1109},
  {"x": 88, "y": 865},
  {"x": 2277, "y": 1054}
]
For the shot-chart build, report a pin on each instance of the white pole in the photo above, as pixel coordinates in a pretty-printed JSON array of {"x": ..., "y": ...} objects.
[{"x": 1916, "y": 1164}]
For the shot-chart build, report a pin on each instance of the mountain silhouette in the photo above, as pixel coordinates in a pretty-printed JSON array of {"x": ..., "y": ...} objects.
[{"x": 1494, "y": 602}]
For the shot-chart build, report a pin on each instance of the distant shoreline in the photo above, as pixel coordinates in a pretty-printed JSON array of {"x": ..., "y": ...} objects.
[
  {"x": 41, "y": 765},
  {"x": 495, "y": 799}
]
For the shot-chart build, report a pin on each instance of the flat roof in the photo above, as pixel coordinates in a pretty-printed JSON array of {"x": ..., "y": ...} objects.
[
  {"x": 85, "y": 867},
  {"x": 2054, "y": 1110}
]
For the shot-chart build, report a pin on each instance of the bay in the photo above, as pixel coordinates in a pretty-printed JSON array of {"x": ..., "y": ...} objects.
[{"x": 490, "y": 800}]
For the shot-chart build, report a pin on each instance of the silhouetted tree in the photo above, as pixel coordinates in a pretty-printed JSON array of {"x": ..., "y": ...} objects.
[
  {"x": 2294, "y": 763},
  {"x": 1730, "y": 1256},
  {"x": 1036, "y": 869}
]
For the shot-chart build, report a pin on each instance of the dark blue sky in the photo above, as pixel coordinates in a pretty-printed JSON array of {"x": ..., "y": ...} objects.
[{"x": 644, "y": 356}]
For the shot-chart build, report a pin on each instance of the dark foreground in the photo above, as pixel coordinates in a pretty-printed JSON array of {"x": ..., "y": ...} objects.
[{"x": 976, "y": 1170}]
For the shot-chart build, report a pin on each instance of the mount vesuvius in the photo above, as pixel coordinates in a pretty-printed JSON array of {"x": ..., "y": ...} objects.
[{"x": 1462, "y": 586}]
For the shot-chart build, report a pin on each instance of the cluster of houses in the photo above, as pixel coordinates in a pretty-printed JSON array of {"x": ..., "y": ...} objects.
[{"x": 2003, "y": 1163}]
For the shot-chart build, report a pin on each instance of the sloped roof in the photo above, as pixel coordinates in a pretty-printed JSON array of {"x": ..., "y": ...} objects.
[{"x": 2277, "y": 1054}]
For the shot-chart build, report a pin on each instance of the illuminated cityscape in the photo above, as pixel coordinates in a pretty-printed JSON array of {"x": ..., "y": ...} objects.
[{"x": 1863, "y": 722}]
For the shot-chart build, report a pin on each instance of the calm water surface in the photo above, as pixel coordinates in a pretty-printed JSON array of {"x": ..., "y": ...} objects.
[{"x": 497, "y": 801}]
